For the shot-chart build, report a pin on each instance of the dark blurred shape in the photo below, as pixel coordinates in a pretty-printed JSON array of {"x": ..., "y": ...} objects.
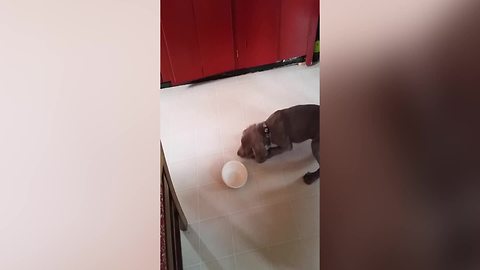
[{"x": 400, "y": 132}]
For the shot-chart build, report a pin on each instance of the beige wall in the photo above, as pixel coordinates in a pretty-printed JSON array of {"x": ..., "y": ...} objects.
[{"x": 79, "y": 132}]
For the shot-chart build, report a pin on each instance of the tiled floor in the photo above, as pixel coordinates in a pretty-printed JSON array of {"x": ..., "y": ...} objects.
[{"x": 273, "y": 221}]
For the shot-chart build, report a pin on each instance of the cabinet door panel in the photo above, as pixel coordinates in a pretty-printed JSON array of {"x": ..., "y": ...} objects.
[
  {"x": 256, "y": 32},
  {"x": 296, "y": 16},
  {"x": 215, "y": 35},
  {"x": 178, "y": 24},
  {"x": 165, "y": 66}
]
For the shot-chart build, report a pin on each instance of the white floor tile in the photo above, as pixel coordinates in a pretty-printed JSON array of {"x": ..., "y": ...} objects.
[
  {"x": 253, "y": 260},
  {"x": 272, "y": 188},
  {"x": 227, "y": 263},
  {"x": 188, "y": 199},
  {"x": 310, "y": 249},
  {"x": 175, "y": 121},
  {"x": 190, "y": 247},
  {"x": 297, "y": 188},
  {"x": 211, "y": 201},
  {"x": 282, "y": 226},
  {"x": 178, "y": 146},
  {"x": 286, "y": 256},
  {"x": 195, "y": 267},
  {"x": 306, "y": 212},
  {"x": 216, "y": 199},
  {"x": 243, "y": 198},
  {"x": 209, "y": 169},
  {"x": 206, "y": 117},
  {"x": 232, "y": 118},
  {"x": 215, "y": 238},
  {"x": 183, "y": 174},
  {"x": 263, "y": 226},
  {"x": 231, "y": 139},
  {"x": 208, "y": 141},
  {"x": 251, "y": 230}
]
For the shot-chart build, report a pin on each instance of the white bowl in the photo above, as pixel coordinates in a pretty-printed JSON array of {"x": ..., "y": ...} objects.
[{"x": 234, "y": 174}]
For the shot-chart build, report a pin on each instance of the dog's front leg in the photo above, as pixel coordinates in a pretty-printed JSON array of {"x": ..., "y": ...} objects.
[
  {"x": 275, "y": 151},
  {"x": 283, "y": 146}
]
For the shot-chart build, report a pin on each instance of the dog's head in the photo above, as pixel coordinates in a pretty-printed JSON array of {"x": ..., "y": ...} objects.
[{"x": 252, "y": 144}]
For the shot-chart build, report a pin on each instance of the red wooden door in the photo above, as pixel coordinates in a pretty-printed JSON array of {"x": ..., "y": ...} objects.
[
  {"x": 215, "y": 35},
  {"x": 180, "y": 38},
  {"x": 165, "y": 63},
  {"x": 296, "y": 17},
  {"x": 256, "y": 28}
]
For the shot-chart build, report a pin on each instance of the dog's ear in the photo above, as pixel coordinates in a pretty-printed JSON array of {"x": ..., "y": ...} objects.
[{"x": 259, "y": 152}]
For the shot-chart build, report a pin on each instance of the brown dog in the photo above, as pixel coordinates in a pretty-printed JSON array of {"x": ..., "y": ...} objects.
[{"x": 296, "y": 124}]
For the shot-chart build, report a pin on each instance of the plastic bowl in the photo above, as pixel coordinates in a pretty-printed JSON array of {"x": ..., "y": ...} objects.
[{"x": 234, "y": 174}]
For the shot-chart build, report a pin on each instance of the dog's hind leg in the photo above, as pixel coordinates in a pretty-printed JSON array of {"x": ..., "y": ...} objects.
[{"x": 310, "y": 177}]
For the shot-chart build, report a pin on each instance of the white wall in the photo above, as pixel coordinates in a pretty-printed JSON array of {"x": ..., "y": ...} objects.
[{"x": 79, "y": 132}]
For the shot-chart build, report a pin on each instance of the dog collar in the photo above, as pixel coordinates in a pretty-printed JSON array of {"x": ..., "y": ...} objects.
[{"x": 266, "y": 132}]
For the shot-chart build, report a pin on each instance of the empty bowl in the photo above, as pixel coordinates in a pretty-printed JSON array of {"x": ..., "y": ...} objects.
[{"x": 234, "y": 174}]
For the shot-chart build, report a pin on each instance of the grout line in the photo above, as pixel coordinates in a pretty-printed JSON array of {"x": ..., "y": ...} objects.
[
  {"x": 233, "y": 239},
  {"x": 269, "y": 246},
  {"x": 295, "y": 220},
  {"x": 235, "y": 252},
  {"x": 197, "y": 205},
  {"x": 255, "y": 207},
  {"x": 212, "y": 260}
]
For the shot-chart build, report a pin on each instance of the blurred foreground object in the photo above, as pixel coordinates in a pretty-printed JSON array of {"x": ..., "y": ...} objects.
[{"x": 400, "y": 101}]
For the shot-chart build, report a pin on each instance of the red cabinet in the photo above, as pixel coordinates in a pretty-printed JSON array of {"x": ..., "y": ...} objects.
[{"x": 201, "y": 38}]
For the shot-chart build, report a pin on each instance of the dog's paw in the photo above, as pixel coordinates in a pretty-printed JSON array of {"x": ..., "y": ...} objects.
[{"x": 309, "y": 177}]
